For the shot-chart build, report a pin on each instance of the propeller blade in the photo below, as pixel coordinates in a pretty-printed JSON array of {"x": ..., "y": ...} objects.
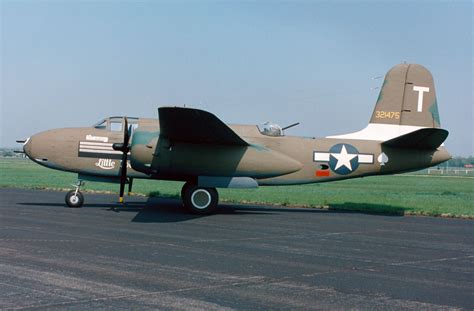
[
  {"x": 126, "y": 132},
  {"x": 125, "y": 148},
  {"x": 126, "y": 137},
  {"x": 123, "y": 176}
]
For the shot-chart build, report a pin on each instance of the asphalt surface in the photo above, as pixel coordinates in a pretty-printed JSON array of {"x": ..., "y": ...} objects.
[{"x": 152, "y": 255}]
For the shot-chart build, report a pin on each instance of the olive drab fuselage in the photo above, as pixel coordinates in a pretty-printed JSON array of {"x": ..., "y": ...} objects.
[
  {"x": 283, "y": 160},
  {"x": 194, "y": 146}
]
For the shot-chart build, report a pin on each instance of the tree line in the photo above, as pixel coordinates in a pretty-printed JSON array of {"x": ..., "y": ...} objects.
[{"x": 461, "y": 161}]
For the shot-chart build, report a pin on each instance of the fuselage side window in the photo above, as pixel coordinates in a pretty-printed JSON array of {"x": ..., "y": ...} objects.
[{"x": 116, "y": 126}]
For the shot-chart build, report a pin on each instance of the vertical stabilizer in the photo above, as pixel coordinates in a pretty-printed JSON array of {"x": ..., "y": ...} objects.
[{"x": 407, "y": 97}]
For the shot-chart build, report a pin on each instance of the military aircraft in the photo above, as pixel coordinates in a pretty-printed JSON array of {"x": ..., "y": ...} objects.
[{"x": 195, "y": 147}]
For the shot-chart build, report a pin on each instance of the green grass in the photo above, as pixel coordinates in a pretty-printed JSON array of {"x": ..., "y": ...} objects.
[{"x": 401, "y": 194}]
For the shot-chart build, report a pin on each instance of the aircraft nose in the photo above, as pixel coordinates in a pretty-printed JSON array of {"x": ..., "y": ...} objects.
[
  {"x": 35, "y": 149},
  {"x": 27, "y": 146},
  {"x": 56, "y": 148}
]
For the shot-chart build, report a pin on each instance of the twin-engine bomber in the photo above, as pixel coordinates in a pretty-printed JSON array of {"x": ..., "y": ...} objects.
[{"x": 195, "y": 147}]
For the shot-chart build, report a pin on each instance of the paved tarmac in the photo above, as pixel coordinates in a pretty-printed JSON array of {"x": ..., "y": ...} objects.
[{"x": 152, "y": 255}]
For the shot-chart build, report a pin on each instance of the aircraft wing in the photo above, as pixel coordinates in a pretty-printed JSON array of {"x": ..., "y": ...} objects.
[
  {"x": 426, "y": 138},
  {"x": 195, "y": 126}
]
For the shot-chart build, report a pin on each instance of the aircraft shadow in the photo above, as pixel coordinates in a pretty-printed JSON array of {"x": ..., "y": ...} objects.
[
  {"x": 162, "y": 210},
  {"x": 165, "y": 210},
  {"x": 368, "y": 208},
  {"x": 86, "y": 205},
  {"x": 154, "y": 209},
  {"x": 347, "y": 208}
]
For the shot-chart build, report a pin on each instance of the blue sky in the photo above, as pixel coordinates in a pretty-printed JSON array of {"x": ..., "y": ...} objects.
[{"x": 71, "y": 63}]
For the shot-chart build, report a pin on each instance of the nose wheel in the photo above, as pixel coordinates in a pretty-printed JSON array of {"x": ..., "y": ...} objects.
[
  {"x": 199, "y": 200},
  {"x": 74, "y": 198}
]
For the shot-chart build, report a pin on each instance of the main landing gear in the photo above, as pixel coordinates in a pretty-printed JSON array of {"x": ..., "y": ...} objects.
[
  {"x": 199, "y": 200},
  {"x": 74, "y": 198}
]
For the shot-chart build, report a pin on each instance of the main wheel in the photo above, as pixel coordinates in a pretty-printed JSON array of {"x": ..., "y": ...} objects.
[
  {"x": 183, "y": 190},
  {"x": 73, "y": 199},
  {"x": 200, "y": 200}
]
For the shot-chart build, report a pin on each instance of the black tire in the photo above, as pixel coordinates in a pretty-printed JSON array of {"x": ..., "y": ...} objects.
[
  {"x": 183, "y": 190},
  {"x": 74, "y": 200},
  {"x": 202, "y": 201}
]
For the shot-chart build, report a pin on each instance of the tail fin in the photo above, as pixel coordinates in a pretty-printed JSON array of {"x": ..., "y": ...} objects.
[{"x": 407, "y": 97}]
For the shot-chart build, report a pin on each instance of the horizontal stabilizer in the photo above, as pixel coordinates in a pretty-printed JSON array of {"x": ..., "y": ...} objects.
[
  {"x": 426, "y": 138},
  {"x": 195, "y": 126}
]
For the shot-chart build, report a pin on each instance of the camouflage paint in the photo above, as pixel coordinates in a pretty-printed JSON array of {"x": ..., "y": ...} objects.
[
  {"x": 282, "y": 160},
  {"x": 434, "y": 112}
]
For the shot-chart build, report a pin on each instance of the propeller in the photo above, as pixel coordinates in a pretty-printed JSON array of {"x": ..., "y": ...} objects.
[{"x": 125, "y": 148}]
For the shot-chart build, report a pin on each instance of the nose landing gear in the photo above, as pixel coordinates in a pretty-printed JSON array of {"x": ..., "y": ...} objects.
[{"x": 74, "y": 198}]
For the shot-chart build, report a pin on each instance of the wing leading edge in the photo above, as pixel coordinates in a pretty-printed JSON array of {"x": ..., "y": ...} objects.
[{"x": 189, "y": 125}]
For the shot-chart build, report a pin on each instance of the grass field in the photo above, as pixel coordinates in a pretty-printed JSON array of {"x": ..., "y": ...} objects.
[{"x": 401, "y": 194}]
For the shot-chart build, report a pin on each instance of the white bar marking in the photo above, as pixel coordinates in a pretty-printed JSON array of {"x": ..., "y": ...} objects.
[
  {"x": 94, "y": 144},
  {"x": 97, "y": 147},
  {"x": 99, "y": 151},
  {"x": 321, "y": 156},
  {"x": 366, "y": 158}
]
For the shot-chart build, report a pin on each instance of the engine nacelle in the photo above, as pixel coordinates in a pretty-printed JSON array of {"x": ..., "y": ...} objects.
[{"x": 160, "y": 157}]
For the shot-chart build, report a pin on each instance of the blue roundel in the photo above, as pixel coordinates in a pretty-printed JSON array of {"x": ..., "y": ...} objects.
[{"x": 343, "y": 159}]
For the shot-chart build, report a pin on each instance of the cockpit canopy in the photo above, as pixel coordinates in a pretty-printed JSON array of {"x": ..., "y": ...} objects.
[
  {"x": 270, "y": 129},
  {"x": 115, "y": 124}
]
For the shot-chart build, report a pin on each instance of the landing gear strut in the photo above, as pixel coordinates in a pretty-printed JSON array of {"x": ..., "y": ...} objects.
[
  {"x": 199, "y": 200},
  {"x": 130, "y": 184},
  {"x": 74, "y": 198}
]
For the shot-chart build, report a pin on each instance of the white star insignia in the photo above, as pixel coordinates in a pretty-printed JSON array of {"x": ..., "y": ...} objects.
[{"x": 343, "y": 158}]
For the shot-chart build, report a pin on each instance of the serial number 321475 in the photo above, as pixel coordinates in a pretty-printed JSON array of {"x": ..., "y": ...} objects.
[{"x": 387, "y": 114}]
